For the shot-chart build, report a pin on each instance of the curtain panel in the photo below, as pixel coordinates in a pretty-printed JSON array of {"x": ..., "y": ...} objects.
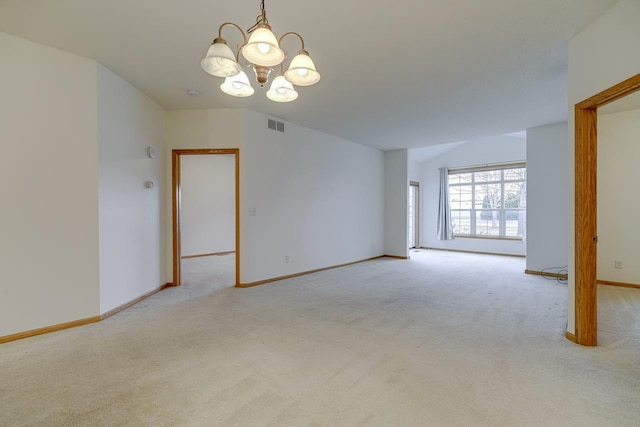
[{"x": 445, "y": 228}]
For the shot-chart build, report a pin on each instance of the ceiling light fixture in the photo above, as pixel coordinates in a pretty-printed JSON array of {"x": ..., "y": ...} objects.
[{"x": 262, "y": 51}]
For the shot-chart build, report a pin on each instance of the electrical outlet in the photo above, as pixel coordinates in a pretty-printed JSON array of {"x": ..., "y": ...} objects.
[
  {"x": 286, "y": 259},
  {"x": 617, "y": 264}
]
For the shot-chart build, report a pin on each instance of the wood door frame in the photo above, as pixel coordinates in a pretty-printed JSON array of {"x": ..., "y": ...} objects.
[
  {"x": 176, "y": 200},
  {"x": 416, "y": 213},
  {"x": 586, "y": 235}
]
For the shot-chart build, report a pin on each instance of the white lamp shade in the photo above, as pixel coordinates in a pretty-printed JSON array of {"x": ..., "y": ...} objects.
[
  {"x": 220, "y": 61},
  {"x": 302, "y": 71},
  {"x": 237, "y": 85},
  {"x": 262, "y": 48},
  {"x": 281, "y": 90}
]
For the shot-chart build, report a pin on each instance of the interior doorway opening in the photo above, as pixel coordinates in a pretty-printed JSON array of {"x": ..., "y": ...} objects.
[
  {"x": 179, "y": 233},
  {"x": 586, "y": 234},
  {"x": 414, "y": 215}
]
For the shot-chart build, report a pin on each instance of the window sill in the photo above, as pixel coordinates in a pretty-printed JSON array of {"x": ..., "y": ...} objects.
[{"x": 513, "y": 239}]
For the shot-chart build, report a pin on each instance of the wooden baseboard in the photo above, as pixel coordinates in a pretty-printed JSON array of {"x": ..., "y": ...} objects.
[
  {"x": 81, "y": 322},
  {"x": 211, "y": 254},
  {"x": 546, "y": 274},
  {"x": 304, "y": 273},
  {"x": 571, "y": 337},
  {"x": 48, "y": 329},
  {"x": 396, "y": 256},
  {"x": 472, "y": 252},
  {"x": 622, "y": 285},
  {"x": 126, "y": 305}
]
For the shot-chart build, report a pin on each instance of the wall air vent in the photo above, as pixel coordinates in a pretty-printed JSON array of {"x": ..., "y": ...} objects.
[{"x": 272, "y": 124}]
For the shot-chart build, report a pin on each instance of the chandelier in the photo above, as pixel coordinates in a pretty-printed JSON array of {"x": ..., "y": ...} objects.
[{"x": 261, "y": 52}]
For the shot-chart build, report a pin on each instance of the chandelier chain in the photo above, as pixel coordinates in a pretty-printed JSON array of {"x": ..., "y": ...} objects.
[{"x": 260, "y": 19}]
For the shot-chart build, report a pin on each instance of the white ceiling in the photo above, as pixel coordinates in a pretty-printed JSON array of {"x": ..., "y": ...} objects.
[
  {"x": 400, "y": 74},
  {"x": 424, "y": 154}
]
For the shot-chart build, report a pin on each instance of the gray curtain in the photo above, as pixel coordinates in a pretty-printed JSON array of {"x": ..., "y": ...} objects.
[{"x": 445, "y": 228}]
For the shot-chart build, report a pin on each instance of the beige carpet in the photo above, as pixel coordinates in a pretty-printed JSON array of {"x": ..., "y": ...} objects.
[
  {"x": 441, "y": 340},
  {"x": 204, "y": 275}
]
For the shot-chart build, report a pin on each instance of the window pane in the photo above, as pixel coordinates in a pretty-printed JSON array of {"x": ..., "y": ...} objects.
[
  {"x": 513, "y": 174},
  {"x": 488, "y": 176},
  {"x": 515, "y": 223},
  {"x": 461, "y": 222},
  {"x": 488, "y": 196},
  {"x": 460, "y": 197},
  {"x": 487, "y": 223},
  {"x": 515, "y": 194},
  {"x": 460, "y": 178}
]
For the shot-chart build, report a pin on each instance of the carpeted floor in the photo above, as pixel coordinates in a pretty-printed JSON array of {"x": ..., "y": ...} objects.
[
  {"x": 444, "y": 339},
  {"x": 209, "y": 274}
]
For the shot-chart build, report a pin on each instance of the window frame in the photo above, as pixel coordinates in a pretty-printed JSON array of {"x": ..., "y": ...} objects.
[{"x": 474, "y": 211}]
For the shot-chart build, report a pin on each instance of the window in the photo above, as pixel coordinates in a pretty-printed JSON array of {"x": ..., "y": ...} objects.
[{"x": 489, "y": 201}]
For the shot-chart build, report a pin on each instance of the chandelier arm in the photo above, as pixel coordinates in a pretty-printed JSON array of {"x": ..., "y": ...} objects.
[
  {"x": 254, "y": 26},
  {"x": 295, "y": 34},
  {"x": 244, "y": 36}
]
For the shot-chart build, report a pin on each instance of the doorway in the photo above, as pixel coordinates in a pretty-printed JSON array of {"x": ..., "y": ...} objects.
[
  {"x": 414, "y": 215},
  {"x": 586, "y": 236},
  {"x": 177, "y": 176}
]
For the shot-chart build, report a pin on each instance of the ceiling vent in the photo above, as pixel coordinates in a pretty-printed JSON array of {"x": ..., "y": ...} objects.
[{"x": 275, "y": 125}]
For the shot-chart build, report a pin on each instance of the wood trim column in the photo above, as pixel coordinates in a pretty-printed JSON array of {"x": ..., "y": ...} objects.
[
  {"x": 175, "y": 194},
  {"x": 586, "y": 238},
  {"x": 586, "y": 226},
  {"x": 237, "y": 157}
]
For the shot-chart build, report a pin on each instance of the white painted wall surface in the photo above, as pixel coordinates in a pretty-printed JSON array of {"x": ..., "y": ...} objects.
[
  {"x": 207, "y": 188},
  {"x": 188, "y": 129},
  {"x": 49, "y": 171},
  {"x": 318, "y": 199},
  {"x": 131, "y": 216},
  {"x": 618, "y": 196},
  {"x": 547, "y": 197},
  {"x": 413, "y": 168},
  {"x": 600, "y": 56},
  {"x": 498, "y": 149},
  {"x": 396, "y": 184}
]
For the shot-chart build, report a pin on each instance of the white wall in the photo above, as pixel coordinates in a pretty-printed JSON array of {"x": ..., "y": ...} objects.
[
  {"x": 413, "y": 168},
  {"x": 600, "y": 56},
  {"x": 618, "y": 196},
  {"x": 49, "y": 174},
  {"x": 498, "y": 149},
  {"x": 396, "y": 184},
  {"x": 318, "y": 199},
  {"x": 547, "y": 197},
  {"x": 207, "y": 189},
  {"x": 131, "y": 217}
]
